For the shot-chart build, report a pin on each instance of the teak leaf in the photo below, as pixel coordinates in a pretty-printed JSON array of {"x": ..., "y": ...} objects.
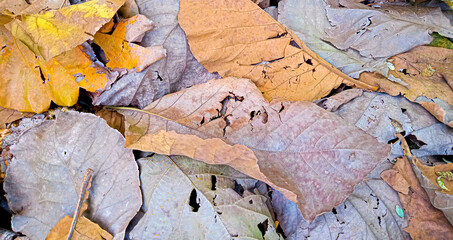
[
  {"x": 299, "y": 148},
  {"x": 239, "y": 39},
  {"x": 43, "y": 179},
  {"x": 56, "y": 31},
  {"x": 184, "y": 203}
]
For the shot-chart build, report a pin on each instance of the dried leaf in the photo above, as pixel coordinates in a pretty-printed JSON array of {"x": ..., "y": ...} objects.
[
  {"x": 29, "y": 83},
  {"x": 438, "y": 199},
  {"x": 129, "y": 9},
  {"x": 42, "y": 181},
  {"x": 334, "y": 102},
  {"x": 432, "y": 173},
  {"x": 308, "y": 19},
  {"x": 434, "y": 92},
  {"x": 85, "y": 229},
  {"x": 227, "y": 121},
  {"x": 368, "y": 213},
  {"x": 57, "y": 31},
  {"x": 239, "y": 39},
  {"x": 9, "y": 115},
  {"x": 17, "y": 7},
  {"x": 426, "y": 222},
  {"x": 185, "y": 203},
  {"x": 386, "y": 30},
  {"x": 175, "y": 72},
  {"x": 113, "y": 119},
  {"x": 122, "y": 54}
]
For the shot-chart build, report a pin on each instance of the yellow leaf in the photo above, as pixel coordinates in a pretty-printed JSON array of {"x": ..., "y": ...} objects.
[
  {"x": 239, "y": 39},
  {"x": 57, "y": 31},
  {"x": 28, "y": 83},
  {"x": 85, "y": 229},
  {"x": 123, "y": 54}
]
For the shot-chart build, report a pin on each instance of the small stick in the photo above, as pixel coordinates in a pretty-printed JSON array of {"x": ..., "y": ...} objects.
[
  {"x": 64, "y": 3},
  {"x": 85, "y": 182}
]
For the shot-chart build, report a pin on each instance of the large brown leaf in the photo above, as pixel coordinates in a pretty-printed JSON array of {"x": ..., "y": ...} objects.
[
  {"x": 300, "y": 148},
  {"x": 43, "y": 180},
  {"x": 238, "y": 38}
]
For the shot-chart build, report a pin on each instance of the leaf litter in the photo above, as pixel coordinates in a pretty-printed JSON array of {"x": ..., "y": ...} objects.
[{"x": 248, "y": 155}]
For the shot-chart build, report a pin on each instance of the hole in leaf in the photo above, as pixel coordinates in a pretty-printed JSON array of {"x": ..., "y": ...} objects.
[
  {"x": 294, "y": 44},
  {"x": 202, "y": 121},
  {"x": 403, "y": 110},
  {"x": 391, "y": 141},
  {"x": 263, "y": 227},
  {"x": 252, "y": 115},
  {"x": 238, "y": 188},
  {"x": 193, "y": 201},
  {"x": 308, "y": 61},
  {"x": 214, "y": 182},
  {"x": 334, "y": 211},
  {"x": 251, "y": 201}
]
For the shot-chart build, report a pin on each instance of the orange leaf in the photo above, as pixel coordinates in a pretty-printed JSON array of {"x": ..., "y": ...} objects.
[
  {"x": 237, "y": 38},
  {"x": 123, "y": 54},
  {"x": 85, "y": 229}
]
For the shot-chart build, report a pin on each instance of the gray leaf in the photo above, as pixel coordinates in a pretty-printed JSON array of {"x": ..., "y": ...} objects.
[
  {"x": 185, "y": 203},
  {"x": 44, "y": 178}
]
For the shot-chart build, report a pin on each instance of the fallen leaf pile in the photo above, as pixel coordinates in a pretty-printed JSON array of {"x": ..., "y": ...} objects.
[{"x": 209, "y": 119}]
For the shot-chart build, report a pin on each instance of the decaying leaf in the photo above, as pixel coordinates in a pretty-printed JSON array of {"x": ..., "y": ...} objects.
[
  {"x": 17, "y": 7},
  {"x": 422, "y": 75},
  {"x": 85, "y": 229},
  {"x": 366, "y": 214},
  {"x": 119, "y": 50},
  {"x": 29, "y": 84},
  {"x": 185, "y": 203},
  {"x": 433, "y": 172},
  {"x": 113, "y": 119},
  {"x": 239, "y": 39},
  {"x": 177, "y": 71},
  {"x": 384, "y": 31},
  {"x": 438, "y": 199},
  {"x": 308, "y": 19},
  {"x": 226, "y": 121},
  {"x": 42, "y": 181},
  {"x": 57, "y": 31},
  {"x": 426, "y": 222},
  {"x": 9, "y": 115},
  {"x": 334, "y": 102},
  {"x": 382, "y": 115}
]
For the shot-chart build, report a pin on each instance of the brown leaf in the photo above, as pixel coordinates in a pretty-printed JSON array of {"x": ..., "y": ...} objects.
[
  {"x": 426, "y": 222},
  {"x": 422, "y": 75},
  {"x": 85, "y": 229},
  {"x": 300, "y": 148},
  {"x": 113, "y": 119},
  {"x": 9, "y": 115},
  {"x": 57, "y": 31},
  {"x": 239, "y": 39},
  {"x": 43, "y": 180},
  {"x": 18, "y": 7},
  {"x": 430, "y": 173}
]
